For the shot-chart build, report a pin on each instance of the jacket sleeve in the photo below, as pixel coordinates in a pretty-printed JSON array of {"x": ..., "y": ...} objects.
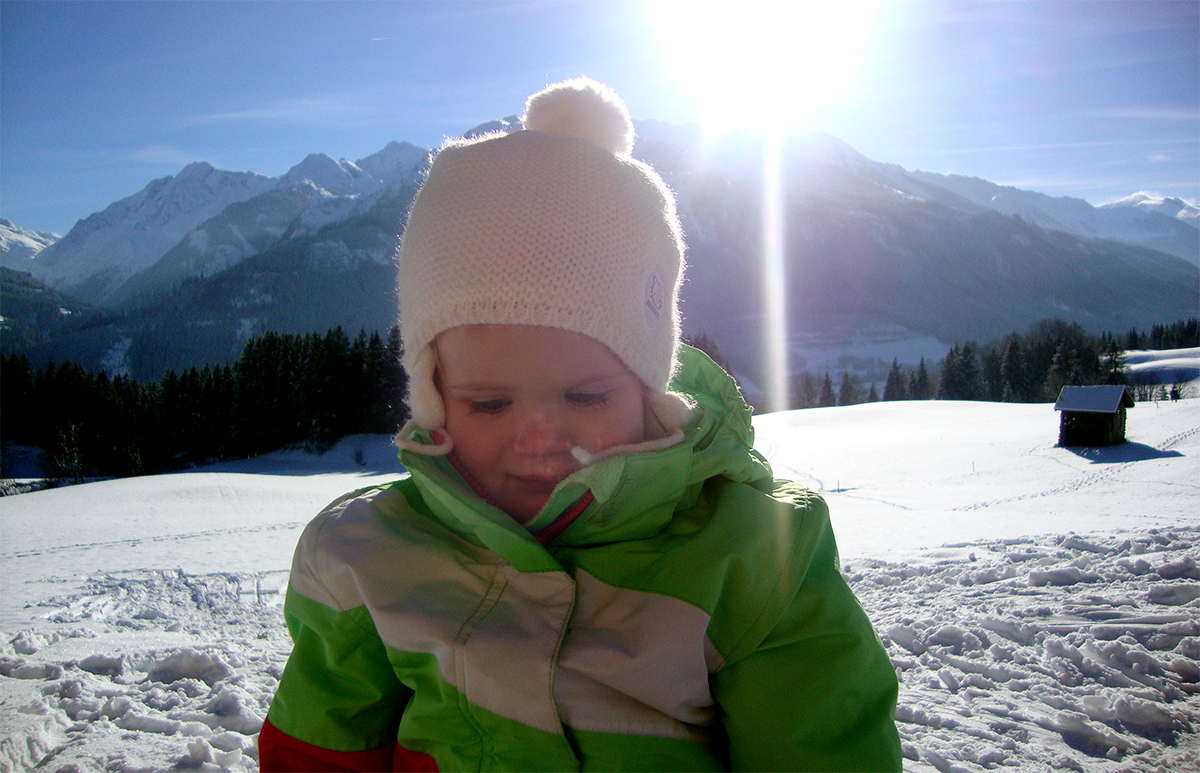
[
  {"x": 818, "y": 691},
  {"x": 279, "y": 752},
  {"x": 338, "y": 702}
]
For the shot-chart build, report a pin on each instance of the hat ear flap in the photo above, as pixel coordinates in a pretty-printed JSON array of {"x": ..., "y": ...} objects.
[
  {"x": 671, "y": 410},
  {"x": 424, "y": 398}
]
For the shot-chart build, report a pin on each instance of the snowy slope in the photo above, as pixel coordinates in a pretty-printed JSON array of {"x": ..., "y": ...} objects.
[
  {"x": 129, "y": 235},
  {"x": 1163, "y": 366},
  {"x": 203, "y": 220},
  {"x": 1171, "y": 206},
  {"x": 1041, "y": 604},
  {"x": 1133, "y": 220},
  {"x": 18, "y": 245}
]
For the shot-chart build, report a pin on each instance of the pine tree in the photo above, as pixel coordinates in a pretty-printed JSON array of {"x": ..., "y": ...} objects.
[
  {"x": 16, "y": 398},
  {"x": 375, "y": 393},
  {"x": 330, "y": 387},
  {"x": 959, "y": 377},
  {"x": 895, "y": 387},
  {"x": 804, "y": 391},
  {"x": 397, "y": 381},
  {"x": 1112, "y": 367},
  {"x": 950, "y": 376},
  {"x": 1013, "y": 372},
  {"x": 971, "y": 380},
  {"x": 358, "y": 405},
  {"x": 848, "y": 393},
  {"x": 1063, "y": 370},
  {"x": 920, "y": 384},
  {"x": 826, "y": 398},
  {"x": 993, "y": 378}
]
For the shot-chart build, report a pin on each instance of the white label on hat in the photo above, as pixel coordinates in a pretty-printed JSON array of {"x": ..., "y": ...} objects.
[{"x": 656, "y": 298}]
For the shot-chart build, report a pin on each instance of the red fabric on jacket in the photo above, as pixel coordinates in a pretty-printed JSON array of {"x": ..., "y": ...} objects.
[{"x": 279, "y": 752}]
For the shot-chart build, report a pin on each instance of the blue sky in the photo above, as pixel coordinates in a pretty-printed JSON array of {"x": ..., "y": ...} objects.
[{"x": 1091, "y": 99}]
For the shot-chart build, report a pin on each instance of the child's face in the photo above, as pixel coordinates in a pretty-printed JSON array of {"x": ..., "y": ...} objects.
[{"x": 519, "y": 398}]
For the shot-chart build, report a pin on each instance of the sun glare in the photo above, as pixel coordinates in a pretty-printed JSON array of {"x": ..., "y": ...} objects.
[
  {"x": 761, "y": 66},
  {"x": 766, "y": 69}
]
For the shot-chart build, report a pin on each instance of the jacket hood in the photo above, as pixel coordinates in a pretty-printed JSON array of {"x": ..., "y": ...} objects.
[{"x": 633, "y": 495}]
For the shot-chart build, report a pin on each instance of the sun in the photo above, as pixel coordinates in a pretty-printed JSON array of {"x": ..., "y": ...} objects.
[{"x": 764, "y": 66}]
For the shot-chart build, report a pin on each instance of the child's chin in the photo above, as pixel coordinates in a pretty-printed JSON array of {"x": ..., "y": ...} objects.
[{"x": 525, "y": 508}]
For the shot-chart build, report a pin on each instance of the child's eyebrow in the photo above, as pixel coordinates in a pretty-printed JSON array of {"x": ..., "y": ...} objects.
[
  {"x": 595, "y": 382},
  {"x": 477, "y": 386}
]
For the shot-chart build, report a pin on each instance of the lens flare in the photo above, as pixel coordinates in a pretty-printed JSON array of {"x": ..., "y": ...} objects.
[
  {"x": 774, "y": 275},
  {"x": 766, "y": 69},
  {"x": 748, "y": 65}
]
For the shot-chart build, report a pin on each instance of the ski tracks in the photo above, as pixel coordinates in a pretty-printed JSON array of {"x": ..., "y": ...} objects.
[
  {"x": 228, "y": 531},
  {"x": 170, "y": 669},
  {"x": 1175, "y": 440},
  {"x": 1075, "y": 484},
  {"x": 1069, "y": 652}
]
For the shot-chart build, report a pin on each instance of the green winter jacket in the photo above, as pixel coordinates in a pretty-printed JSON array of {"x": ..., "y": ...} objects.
[{"x": 692, "y": 617}]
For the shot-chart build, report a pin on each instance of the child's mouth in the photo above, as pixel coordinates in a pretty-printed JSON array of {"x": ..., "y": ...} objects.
[{"x": 536, "y": 484}]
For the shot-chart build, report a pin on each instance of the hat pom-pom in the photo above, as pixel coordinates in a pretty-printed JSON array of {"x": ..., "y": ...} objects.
[{"x": 584, "y": 109}]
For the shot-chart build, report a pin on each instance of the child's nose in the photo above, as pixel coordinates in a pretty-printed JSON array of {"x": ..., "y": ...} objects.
[{"x": 541, "y": 433}]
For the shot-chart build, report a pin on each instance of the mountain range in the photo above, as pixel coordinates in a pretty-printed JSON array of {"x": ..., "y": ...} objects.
[
  {"x": 184, "y": 271},
  {"x": 18, "y": 246}
]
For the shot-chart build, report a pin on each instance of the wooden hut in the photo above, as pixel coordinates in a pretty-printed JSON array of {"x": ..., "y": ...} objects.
[{"x": 1092, "y": 415}]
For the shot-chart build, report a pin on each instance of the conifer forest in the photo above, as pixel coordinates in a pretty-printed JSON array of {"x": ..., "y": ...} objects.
[
  {"x": 284, "y": 389},
  {"x": 313, "y": 389}
]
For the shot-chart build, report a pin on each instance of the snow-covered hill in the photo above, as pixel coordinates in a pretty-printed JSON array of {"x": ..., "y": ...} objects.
[
  {"x": 204, "y": 220},
  {"x": 1172, "y": 206},
  {"x": 1135, "y": 220},
  {"x": 1163, "y": 366},
  {"x": 103, "y": 250},
  {"x": 1041, "y": 604},
  {"x": 870, "y": 247},
  {"x": 18, "y": 246}
]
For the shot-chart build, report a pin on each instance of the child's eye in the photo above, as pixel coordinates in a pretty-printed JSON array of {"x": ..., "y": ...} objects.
[
  {"x": 493, "y": 405},
  {"x": 587, "y": 399}
]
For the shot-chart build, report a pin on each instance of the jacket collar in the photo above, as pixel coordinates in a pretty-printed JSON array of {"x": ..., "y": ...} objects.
[{"x": 633, "y": 495}]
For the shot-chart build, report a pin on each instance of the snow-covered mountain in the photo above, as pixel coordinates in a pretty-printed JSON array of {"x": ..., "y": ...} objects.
[
  {"x": 204, "y": 220},
  {"x": 130, "y": 235},
  {"x": 873, "y": 248},
  {"x": 876, "y": 255},
  {"x": 1138, "y": 220},
  {"x": 18, "y": 246},
  {"x": 1171, "y": 206},
  {"x": 344, "y": 189}
]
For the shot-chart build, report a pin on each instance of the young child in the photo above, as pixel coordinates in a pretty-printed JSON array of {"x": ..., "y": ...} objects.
[{"x": 589, "y": 567}]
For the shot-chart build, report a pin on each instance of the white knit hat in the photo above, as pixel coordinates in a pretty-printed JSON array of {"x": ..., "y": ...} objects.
[{"x": 555, "y": 225}]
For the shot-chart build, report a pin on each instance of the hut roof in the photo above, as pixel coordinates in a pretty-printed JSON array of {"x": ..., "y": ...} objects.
[{"x": 1093, "y": 399}]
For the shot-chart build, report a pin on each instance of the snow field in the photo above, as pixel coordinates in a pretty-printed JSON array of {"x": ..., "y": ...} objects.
[
  {"x": 145, "y": 671},
  {"x": 906, "y": 476},
  {"x": 1041, "y": 605},
  {"x": 1068, "y": 652},
  {"x": 1167, "y": 365}
]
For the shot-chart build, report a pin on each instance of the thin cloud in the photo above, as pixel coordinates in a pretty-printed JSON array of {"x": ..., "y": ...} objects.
[{"x": 302, "y": 110}]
